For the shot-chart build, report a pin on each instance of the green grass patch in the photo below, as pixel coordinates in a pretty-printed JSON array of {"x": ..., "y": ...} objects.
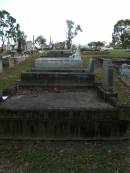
[
  {"x": 85, "y": 59},
  {"x": 123, "y": 92},
  {"x": 66, "y": 158},
  {"x": 119, "y": 53},
  {"x": 9, "y": 76},
  {"x": 122, "y": 53}
]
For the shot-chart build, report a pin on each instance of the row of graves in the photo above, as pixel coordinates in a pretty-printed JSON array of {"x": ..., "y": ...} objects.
[
  {"x": 59, "y": 99},
  {"x": 121, "y": 65},
  {"x": 121, "y": 68},
  {"x": 10, "y": 58}
]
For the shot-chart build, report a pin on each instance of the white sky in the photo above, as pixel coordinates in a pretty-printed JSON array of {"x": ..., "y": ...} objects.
[{"x": 47, "y": 17}]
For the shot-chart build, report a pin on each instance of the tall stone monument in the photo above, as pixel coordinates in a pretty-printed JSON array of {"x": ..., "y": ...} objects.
[{"x": 107, "y": 75}]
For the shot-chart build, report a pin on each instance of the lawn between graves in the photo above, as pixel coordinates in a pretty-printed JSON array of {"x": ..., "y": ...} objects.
[
  {"x": 10, "y": 75},
  {"x": 115, "y": 53}
]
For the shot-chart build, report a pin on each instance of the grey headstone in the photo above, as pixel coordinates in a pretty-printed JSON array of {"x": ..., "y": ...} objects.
[
  {"x": 125, "y": 70},
  {"x": 77, "y": 55},
  {"x": 107, "y": 75},
  {"x": 1, "y": 66},
  {"x": 90, "y": 67},
  {"x": 5, "y": 54}
]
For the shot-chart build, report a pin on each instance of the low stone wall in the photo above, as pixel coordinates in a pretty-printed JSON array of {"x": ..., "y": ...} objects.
[
  {"x": 57, "y": 70},
  {"x": 116, "y": 61},
  {"x": 61, "y": 124},
  {"x": 50, "y": 77}
]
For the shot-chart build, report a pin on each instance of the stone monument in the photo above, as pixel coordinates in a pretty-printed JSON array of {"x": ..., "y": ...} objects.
[
  {"x": 125, "y": 70},
  {"x": 107, "y": 75},
  {"x": 72, "y": 61},
  {"x": 90, "y": 67}
]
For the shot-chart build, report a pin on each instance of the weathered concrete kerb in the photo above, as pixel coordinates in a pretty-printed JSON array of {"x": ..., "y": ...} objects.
[{"x": 61, "y": 115}]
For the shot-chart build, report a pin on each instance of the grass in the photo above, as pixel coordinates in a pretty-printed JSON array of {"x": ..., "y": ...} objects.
[
  {"x": 119, "y": 53},
  {"x": 116, "y": 53},
  {"x": 9, "y": 76},
  {"x": 66, "y": 158},
  {"x": 122, "y": 90},
  {"x": 85, "y": 59}
]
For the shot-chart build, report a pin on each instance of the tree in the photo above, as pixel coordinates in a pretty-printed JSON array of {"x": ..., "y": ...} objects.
[
  {"x": 10, "y": 30},
  {"x": 121, "y": 34},
  {"x": 20, "y": 37},
  {"x": 96, "y": 44},
  {"x": 40, "y": 40},
  {"x": 72, "y": 31},
  {"x": 59, "y": 45},
  {"x": 4, "y": 25}
]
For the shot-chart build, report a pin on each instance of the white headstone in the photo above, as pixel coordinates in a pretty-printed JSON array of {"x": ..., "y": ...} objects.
[{"x": 125, "y": 70}]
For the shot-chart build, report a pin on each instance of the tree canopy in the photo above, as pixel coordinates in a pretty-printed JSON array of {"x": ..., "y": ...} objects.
[
  {"x": 121, "y": 34},
  {"x": 10, "y": 30},
  {"x": 96, "y": 44}
]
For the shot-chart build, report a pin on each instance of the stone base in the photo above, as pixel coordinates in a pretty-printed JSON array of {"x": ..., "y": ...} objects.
[
  {"x": 57, "y": 77},
  {"x": 57, "y": 62},
  {"x": 107, "y": 96},
  {"x": 60, "y": 115}
]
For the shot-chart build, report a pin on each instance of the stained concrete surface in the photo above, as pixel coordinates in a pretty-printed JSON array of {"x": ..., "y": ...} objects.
[{"x": 87, "y": 100}]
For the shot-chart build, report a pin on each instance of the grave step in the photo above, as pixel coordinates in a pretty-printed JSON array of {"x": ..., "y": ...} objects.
[{"x": 55, "y": 86}]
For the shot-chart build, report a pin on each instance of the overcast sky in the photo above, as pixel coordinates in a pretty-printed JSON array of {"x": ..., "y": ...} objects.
[{"x": 47, "y": 17}]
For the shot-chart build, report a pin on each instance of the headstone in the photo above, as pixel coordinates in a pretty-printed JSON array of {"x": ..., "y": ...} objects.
[
  {"x": 77, "y": 55},
  {"x": 90, "y": 68},
  {"x": 65, "y": 45},
  {"x": 8, "y": 46},
  {"x": 107, "y": 75},
  {"x": 7, "y": 60},
  {"x": 5, "y": 54},
  {"x": 1, "y": 66},
  {"x": 18, "y": 58},
  {"x": 71, "y": 61},
  {"x": 125, "y": 70},
  {"x": 29, "y": 46}
]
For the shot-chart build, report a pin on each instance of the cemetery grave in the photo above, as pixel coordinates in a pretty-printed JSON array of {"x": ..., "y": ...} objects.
[
  {"x": 59, "y": 53},
  {"x": 64, "y": 103}
]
